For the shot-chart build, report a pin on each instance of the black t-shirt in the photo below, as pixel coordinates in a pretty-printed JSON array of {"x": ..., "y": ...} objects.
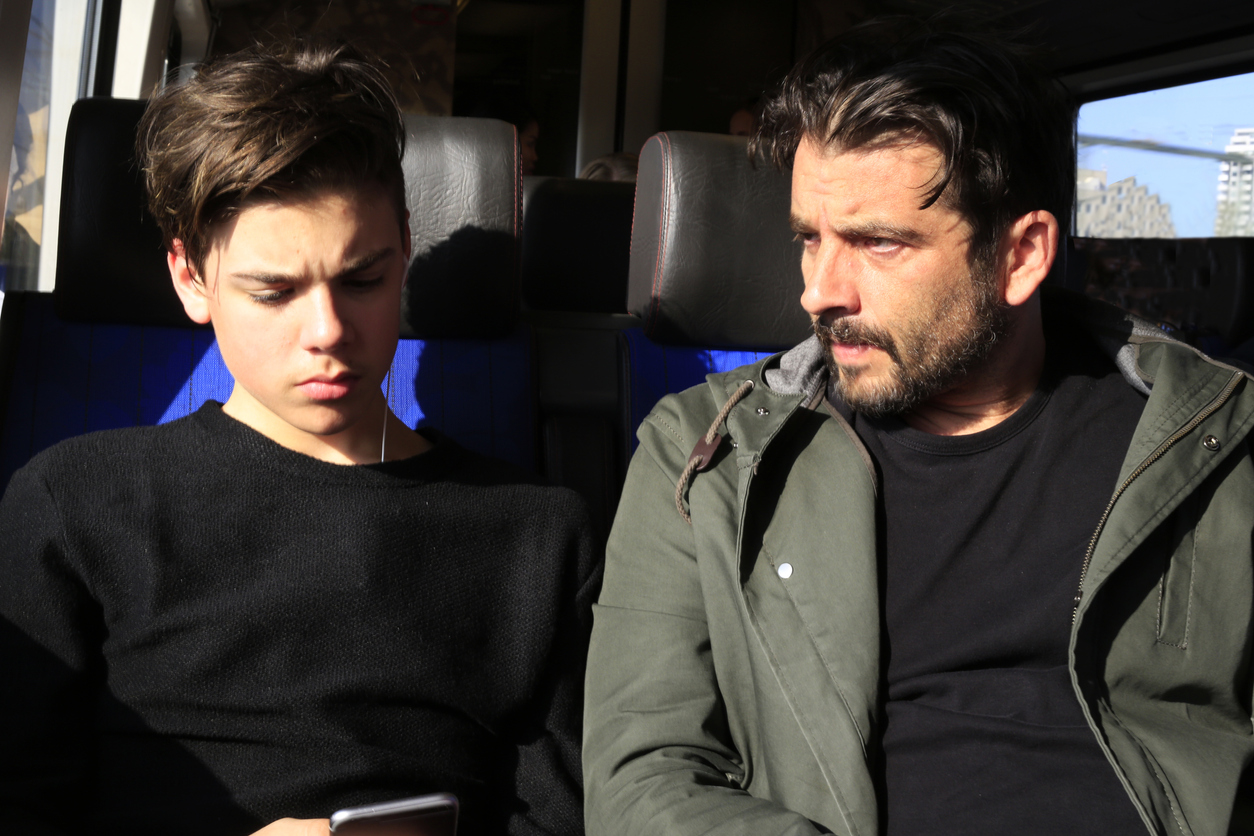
[{"x": 983, "y": 538}]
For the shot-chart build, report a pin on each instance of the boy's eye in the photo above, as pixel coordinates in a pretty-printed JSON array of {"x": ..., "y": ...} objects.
[
  {"x": 363, "y": 284},
  {"x": 271, "y": 298}
]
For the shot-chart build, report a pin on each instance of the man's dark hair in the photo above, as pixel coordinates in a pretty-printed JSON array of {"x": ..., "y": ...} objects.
[
  {"x": 267, "y": 123},
  {"x": 1003, "y": 126}
]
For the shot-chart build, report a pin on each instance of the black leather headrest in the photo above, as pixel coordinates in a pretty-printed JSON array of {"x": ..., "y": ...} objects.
[
  {"x": 110, "y": 263},
  {"x": 462, "y": 180},
  {"x": 713, "y": 263},
  {"x": 576, "y": 244},
  {"x": 464, "y": 187}
]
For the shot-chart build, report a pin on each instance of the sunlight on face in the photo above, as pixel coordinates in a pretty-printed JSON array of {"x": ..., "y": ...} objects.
[
  {"x": 304, "y": 298},
  {"x": 901, "y": 311}
]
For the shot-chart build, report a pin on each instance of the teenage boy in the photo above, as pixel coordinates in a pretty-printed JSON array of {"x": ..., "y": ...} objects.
[{"x": 288, "y": 603}]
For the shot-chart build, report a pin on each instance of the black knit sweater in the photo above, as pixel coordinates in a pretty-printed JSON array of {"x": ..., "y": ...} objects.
[{"x": 202, "y": 631}]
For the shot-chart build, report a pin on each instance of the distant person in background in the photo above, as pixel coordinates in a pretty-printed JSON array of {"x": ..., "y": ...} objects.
[
  {"x": 620, "y": 167},
  {"x": 528, "y": 136},
  {"x": 516, "y": 111},
  {"x": 745, "y": 120}
]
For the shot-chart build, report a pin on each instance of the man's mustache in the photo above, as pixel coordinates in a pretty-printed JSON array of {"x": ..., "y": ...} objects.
[{"x": 852, "y": 332}]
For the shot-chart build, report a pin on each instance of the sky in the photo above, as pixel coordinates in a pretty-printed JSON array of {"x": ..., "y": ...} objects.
[{"x": 1202, "y": 115}]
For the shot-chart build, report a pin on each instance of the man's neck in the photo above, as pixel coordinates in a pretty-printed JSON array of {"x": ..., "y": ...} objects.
[{"x": 994, "y": 391}]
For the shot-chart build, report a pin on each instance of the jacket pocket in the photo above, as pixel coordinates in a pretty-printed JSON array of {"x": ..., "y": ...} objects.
[{"x": 1175, "y": 588}]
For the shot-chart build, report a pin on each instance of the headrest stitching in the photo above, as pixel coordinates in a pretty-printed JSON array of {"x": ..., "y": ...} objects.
[{"x": 663, "y": 216}]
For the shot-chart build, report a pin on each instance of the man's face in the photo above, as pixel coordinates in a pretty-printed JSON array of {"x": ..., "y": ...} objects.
[
  {"x": 902, "y": 312},
  {"x": 304, "y": 298}
]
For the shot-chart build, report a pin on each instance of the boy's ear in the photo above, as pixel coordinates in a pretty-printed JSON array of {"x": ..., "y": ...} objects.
[{"x": 190, "y": 289}]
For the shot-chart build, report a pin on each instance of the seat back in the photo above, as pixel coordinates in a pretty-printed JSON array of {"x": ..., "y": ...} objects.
[
  {"x": 575, "y": 246},
  {"x": 112, "y": 347},
  {"x": 1202, "y": 286},
  {"x": 715, "y": 276}
]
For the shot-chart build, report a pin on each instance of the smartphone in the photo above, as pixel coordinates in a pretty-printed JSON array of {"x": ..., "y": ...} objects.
[{"x": 423, "y": 815}]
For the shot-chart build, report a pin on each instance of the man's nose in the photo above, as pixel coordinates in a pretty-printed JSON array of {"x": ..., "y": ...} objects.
[
  {"x": 323, "y": 327},
  {"x": 831, "y": 281}
]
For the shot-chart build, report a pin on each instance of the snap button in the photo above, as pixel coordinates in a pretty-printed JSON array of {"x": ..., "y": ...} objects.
[
  {"x": 763, "y": 411},
  {"x": 785, "y": 570},
  {"x": 1210, "y": 443}
]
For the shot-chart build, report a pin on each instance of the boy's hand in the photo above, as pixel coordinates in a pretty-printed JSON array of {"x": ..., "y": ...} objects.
[{"x": 296, "y": 827}]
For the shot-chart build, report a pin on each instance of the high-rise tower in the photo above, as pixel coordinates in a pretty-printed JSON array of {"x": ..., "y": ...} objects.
[{"x": 1236, "y": 188}]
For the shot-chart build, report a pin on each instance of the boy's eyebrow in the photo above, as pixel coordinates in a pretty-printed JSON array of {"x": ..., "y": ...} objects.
[{"x": 357, "y": 265}]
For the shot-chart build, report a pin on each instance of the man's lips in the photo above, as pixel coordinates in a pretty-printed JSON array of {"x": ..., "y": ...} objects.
[
  {"x": 328, "y": 387},
  {"x": 851, "y": 352},
  {"x": 852, "y": 343}
]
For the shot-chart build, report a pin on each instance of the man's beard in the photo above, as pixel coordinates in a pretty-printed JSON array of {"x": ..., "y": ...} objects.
[{"x": 929, "y": 353}]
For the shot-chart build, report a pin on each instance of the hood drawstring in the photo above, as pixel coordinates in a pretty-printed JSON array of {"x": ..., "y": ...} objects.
[{"x": 703, "y": 451}]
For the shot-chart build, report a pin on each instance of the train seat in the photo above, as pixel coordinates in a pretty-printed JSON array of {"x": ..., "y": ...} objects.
[
  {"x": 111, "y": 346},
  {"x": 714, "y": 276},
  {"x": 575, "y": 246},
  {"x": 1203, "y": 287}
]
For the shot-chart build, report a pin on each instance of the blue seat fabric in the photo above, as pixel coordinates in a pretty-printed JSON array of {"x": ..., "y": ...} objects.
[
  {"x": 72, "y": 378},
  {"x": 655, "y": 371}
]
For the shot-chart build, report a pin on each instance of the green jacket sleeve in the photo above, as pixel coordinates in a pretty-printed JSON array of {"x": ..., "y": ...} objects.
[{"x": 658, "y": 757}]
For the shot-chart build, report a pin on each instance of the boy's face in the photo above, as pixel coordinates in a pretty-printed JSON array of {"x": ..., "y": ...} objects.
[{"x": 304, "y": 298}]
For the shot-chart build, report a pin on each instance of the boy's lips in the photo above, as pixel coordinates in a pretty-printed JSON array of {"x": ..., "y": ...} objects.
[{"x": 328, "y": 387}]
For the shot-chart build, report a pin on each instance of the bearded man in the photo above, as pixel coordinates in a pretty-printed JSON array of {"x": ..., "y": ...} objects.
[{"x": 979, "y": 560}]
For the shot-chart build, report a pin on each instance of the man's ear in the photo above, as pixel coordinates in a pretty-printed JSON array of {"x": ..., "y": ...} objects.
[
  {"x": 191, "y": 290},
  {"x": 1027, "y": 255}
]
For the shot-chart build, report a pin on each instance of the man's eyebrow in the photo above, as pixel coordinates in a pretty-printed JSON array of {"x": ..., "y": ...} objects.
[
  {"x": 867, "y": 229},
  {"x": 798, "y": 225},
  {"x": 876, "y": 229},
  {"x": 357, "y": 265}
]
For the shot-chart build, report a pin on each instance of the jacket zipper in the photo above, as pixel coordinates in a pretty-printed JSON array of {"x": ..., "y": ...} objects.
[{"x": 1158, "y": 453}]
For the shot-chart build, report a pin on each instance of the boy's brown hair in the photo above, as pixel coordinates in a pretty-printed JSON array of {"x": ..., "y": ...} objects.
[{"x": 267, "y": 123}]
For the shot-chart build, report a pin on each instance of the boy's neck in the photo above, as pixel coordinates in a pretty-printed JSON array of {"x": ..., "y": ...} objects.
[{"x": 364, "y": 442}]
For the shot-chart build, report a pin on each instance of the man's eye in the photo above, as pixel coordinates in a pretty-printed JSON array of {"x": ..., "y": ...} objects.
[
  {"x": 806, "y": 237},
  {"x": 882, "y": 245}
]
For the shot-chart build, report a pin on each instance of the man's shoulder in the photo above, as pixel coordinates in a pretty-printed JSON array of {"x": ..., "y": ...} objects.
[{"x": 682, "y": 417}]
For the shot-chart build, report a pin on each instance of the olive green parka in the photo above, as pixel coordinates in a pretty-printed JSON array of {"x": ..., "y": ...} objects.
[{"x": 734, "y": 674}]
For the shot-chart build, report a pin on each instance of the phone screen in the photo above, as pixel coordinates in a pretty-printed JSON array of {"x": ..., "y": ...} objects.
[{"x": 424, "y": 815}]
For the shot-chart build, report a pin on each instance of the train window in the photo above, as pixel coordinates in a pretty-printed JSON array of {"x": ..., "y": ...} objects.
[
  {"x": 23, "y": 213},
  {"x": 1171, "y": 163},
  {"x": 56, "y": 72}
]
